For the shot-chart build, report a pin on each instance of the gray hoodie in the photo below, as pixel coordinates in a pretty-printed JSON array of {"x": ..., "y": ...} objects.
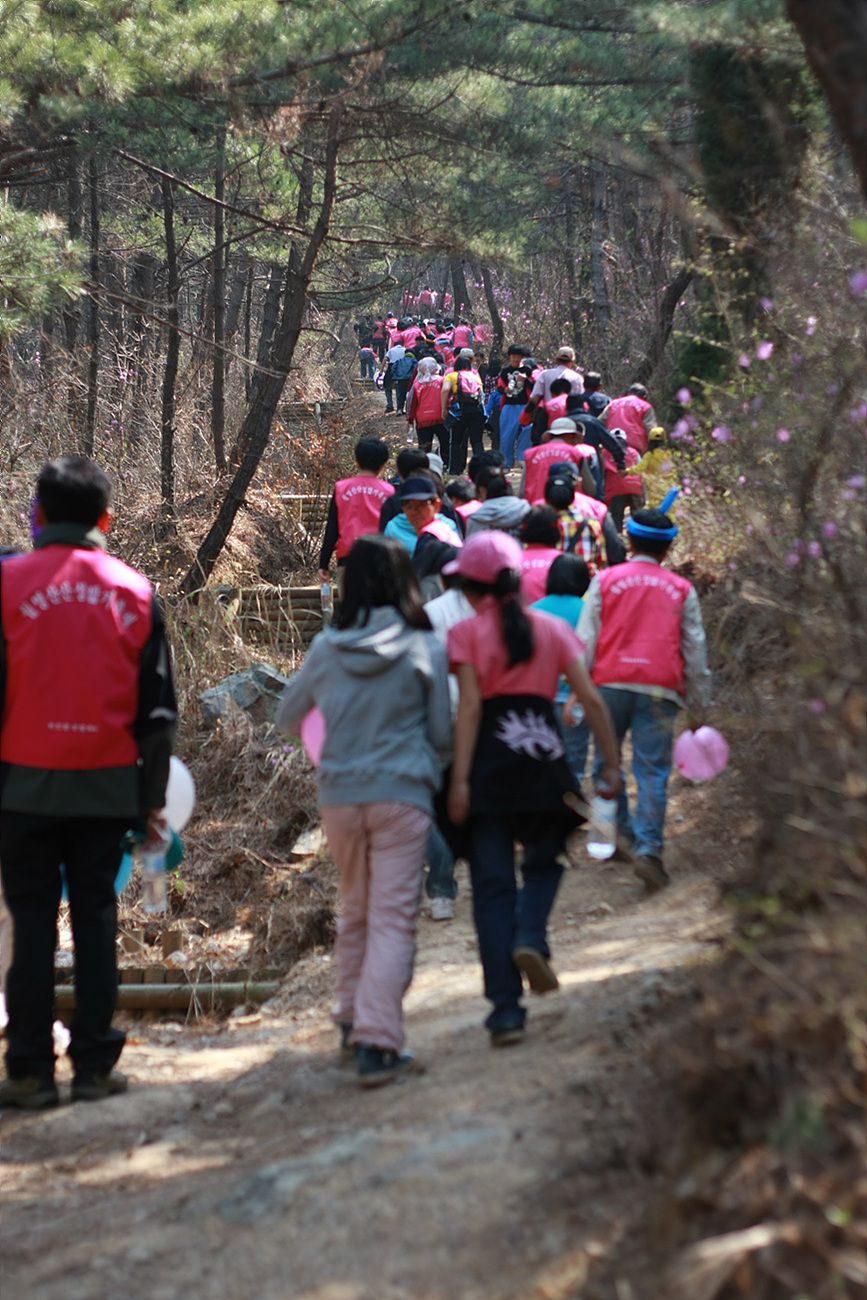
[
  {"x": 503, "y": 513},
  {"x": 383, "y": 689}
]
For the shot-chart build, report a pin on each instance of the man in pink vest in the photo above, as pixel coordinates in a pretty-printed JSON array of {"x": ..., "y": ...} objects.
[
  {"x": 88, "y": 717},
  {"x": 634, "y": 414},
  {"x": 355, "y": 506},
  {"x": 562, "y": 446},
  {"x": 645, "y": 646}
]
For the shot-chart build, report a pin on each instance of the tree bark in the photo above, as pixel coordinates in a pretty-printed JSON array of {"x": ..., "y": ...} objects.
[
  {"x": 268, "y": 385},
  {"x": 664, "y": 323},
  {"x": 93, "y": 321},
  {"x": 571, "y": 253},
  {"x": 834, "y": 35},
  {"x": 462, "y": 305},
  {"x": 218, "y": 396},
  {"x": 170, "y": 374},
  {"x": 72, "y": 313},
  {"x": 601, "y": 304},
  {"x": 499, "y": 331}
]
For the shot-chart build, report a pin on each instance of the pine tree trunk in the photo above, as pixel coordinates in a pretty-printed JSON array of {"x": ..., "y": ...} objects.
[
  {"x": 72, "y": 313},
  {"x": 834, "y": 34},
  {"x": 571, "y": 255},
  {"x": 664, "y": 322},
  {"x": 494, "y": 312},
  {"x": 170, "y": 374},
  {"x": 268, "y": 385},
  {"x": 93, "y": 321},
  {"x": 463, "y": 307},
  {"x": 218, "y": 396},
  {"x": 601, "y": 305}
]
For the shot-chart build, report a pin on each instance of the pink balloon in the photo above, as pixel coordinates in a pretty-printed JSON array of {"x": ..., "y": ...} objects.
[
  {"x": 701, "y": 754},
  {"x": 313, "y": 734}
]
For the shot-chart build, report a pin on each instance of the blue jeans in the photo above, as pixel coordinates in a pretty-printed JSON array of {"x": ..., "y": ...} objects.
[
  {"x": 440, "y": 880},
  {"x": 510, "y": 430},
  {"x": 366, "y": 359},
  {"x": 651, "y": 722},
  {"x": 576, "y": 742},
  {"x": 505, "y": 916}
]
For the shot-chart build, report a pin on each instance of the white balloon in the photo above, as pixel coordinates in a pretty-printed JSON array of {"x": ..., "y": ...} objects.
[{"x": 180, "y": 795}]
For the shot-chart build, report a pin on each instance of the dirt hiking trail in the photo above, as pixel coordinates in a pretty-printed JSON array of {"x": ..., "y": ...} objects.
[{"x": 244, "y": 1162}]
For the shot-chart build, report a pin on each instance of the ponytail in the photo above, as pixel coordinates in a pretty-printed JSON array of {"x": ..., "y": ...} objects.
[{"x": 517, "y": 628}]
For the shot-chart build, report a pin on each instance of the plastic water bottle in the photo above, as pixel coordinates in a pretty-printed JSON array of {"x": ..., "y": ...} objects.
[
  {"x": 327, "y": 600},
  {"x": 602, "y": 839},
  {"x": 154, "y": 893}
]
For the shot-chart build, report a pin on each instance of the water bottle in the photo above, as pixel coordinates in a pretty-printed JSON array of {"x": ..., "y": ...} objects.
[
  {"x": 152, "y": 859},
  {"x": 327, "y": 600},
  {"x": 602, "y": 838}
]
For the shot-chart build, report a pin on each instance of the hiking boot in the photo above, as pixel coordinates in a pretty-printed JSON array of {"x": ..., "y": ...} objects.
[
  {"x": 534, "y": 966},
  {"x": 88, "y": 1085},
  {"x": 649, "y": 868},
  {"x": 378, "y": 1066},
  {"x": 29, "y": 1093},
  {"x": 507, "y": 1036},
  {"x": 441, "y": 909}
]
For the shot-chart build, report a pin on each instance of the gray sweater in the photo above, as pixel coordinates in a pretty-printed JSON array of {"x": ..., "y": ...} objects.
[{"x": 383, "y": 689}]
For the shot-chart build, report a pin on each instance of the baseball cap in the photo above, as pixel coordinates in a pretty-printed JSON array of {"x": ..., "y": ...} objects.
[
  {"x": 563, "y": 425},
  {"x": 484, "y": 555},
  {"x": 565, "y": 354},
  {"x": 417, "y": 489}
]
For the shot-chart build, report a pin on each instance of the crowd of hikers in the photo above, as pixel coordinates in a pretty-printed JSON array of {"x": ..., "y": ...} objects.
[{"x": 496, "y": 637}]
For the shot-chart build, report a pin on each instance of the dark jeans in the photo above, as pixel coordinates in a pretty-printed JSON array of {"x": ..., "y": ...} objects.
[
  {"x": 469, "y": 428},
  {"x": 403, "y": 387},
  {"x": 651, "y": 722},
  {"x": 388, "y": 389},
  {"x": 426, "y": 434},
  {"x": 32, "y": 848},
  {"x": 576, "y": 742},
  {"x": 506, "y": 916},
  {"x": 366, "y": 360},
  {"x": 617, "y": 507}
]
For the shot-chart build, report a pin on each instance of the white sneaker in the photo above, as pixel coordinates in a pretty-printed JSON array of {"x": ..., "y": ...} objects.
[{"x": 441, "y": 909}]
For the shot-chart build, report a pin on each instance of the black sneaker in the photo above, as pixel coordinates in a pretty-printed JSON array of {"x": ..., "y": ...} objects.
[
  {"x": 380, "y": 1065},
  {"x": 88, "y": 1085},
  {"x": 29, "y": 1093},
  {"x": 534, "y": 966},
  {"x": 649, "y": 868},
  {"x": 507, "y": 1036}
]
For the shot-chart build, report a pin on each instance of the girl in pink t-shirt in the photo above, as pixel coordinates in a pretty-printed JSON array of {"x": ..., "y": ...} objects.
[{"x": 510, "y": 776}]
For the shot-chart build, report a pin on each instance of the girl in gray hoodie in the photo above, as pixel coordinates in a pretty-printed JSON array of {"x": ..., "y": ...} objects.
[{"x": 380, "y": 678}]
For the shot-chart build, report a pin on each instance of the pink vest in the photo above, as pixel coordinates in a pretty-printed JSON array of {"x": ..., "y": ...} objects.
[
  {"x": 555, "y": 407},
  {"x": 439, "y": 528},
  {"x": 75, "y": 622},
  {"x": 359, "y": 502},
  {"x": 617, "y": 484},
  {"x": 462, "y": 336},
  {"x": 428, "y": 401},
  {"x": 537, "y": 461},
  {"x": 589, "y": 507},
  {"x": 409, "y": 336},
  {"x": 627, "y": 413},
  {"x": 424, "y": 298},
  {"x": 535, "y": 563},
  {"x": 640, "y": 631},
  {"x": 467, "y": 508}
]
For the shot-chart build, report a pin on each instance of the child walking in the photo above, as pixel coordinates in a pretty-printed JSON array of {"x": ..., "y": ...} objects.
[
  {"x": 645, "y": 643},
  {"x": 380, "y": 678},
  {"x": 509, "y": 774}
]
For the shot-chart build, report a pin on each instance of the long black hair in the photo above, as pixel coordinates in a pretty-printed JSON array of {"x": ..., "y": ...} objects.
[
  {"x": 517, "y": 628},
  {"x": 379, "y": 573}
]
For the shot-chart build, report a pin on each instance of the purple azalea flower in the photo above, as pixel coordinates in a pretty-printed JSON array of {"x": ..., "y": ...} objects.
[
  {"x": 764, "y": 350},
  {"x": 722, "y": 433},
  {"x": 858, "y": 283},
  {"x": 783, "y": 435},
  {"x": 684, "y": 396}
]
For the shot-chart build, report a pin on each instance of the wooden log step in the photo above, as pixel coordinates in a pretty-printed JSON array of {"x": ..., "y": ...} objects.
[{"x": 156, "y": 997}]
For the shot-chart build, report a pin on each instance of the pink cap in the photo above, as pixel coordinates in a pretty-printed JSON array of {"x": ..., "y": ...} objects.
[{"x": 485, "y": 554}]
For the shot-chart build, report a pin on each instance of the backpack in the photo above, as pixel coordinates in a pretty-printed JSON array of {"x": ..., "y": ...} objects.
[{"x": 467, "y": 402}]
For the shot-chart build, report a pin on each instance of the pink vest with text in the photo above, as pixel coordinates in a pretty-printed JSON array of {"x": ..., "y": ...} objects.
[
  {"x": 427, "y": 401},
  {"x": 640, "y": 631},
  {"x": 535, "y": 563},
  {"x": 359, "y": 502},
  {"x": 627, "y": 413},
  {"x": 538, "y": 459},
  {"x": 75, "y": 622}
]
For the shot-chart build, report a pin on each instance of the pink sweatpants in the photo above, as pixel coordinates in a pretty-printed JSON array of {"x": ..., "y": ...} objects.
[{"x": 379, "y": 849}]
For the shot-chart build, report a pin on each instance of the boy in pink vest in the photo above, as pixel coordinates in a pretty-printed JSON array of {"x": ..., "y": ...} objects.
[
  {"x": 88, "y": 716},
  {"x": 355, "y": 506},
  {"x": 645, "y": 645}
]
